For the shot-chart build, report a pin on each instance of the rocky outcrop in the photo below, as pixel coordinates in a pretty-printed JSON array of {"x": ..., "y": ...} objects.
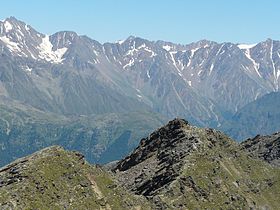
[
  {"x": 180, "y": 166},
  {"x": 158, "y": 158},
  {"x": 266, "y": 148}
]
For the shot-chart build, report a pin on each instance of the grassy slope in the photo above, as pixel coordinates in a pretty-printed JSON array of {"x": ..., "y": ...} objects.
[
  {"x": 59, "y": 179},
  {"x": 226, "y": 178}
]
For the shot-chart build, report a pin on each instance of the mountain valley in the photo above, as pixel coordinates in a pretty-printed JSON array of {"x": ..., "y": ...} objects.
[{"x": 71, "y": 90}]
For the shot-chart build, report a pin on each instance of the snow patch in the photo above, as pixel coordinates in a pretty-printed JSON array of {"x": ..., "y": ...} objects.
[
  {"x": 26, "y": 27},
  {"x": 220, "y": 50},
  {"x": 257, "y": 95},
  {"x": 211, "y": 68},
  {"x": 60, "y": 52},
  {"x": 8, "y": 26},
  {"x": 132, "y": 50},
  {"x": 273, "y": 65},
  {"x": 13, "y": 46},
  {"x": 191, "y": 56},
  {"x": 173, "y": 60},
  {"x": 246, "y": 46},
  {"x": 190, "y": 83},
  {"x": 141, "y": 46},
  {"x": 275, "y": 74},
  {"x": 153, "y": 54},
  {"x": 256, "y": 65},
  {"x": 278, "y": 74},
  {"x": 148, "y": 74},
  {"x": 27, "y": 68},
  {"x": 120, "y": 42},
  {"x": 46, "y": 52},
  {"x": 181, "y": 65},
  {"x": 130, "y": 63},
  {"x": 167, "y": 47}
]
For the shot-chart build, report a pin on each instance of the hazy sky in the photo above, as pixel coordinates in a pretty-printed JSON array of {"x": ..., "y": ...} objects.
[{"x": 181, "y": 21}]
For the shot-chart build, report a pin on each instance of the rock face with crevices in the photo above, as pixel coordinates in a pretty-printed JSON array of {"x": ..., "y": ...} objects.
[
  {"x": 158, "y": 159},
  {"x": 265, "y": 147},
  {"x": 180, "y": 166}
]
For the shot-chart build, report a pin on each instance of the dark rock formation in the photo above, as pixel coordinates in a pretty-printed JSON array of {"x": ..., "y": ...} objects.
[
  {"x": 180, "y": 166},
  {"x": 265, "y": 147}
]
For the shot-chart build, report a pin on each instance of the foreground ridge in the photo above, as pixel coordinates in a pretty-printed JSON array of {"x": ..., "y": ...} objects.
[
  {"x": 55, "y": 178},
  {"x": 180, "y": 166}
]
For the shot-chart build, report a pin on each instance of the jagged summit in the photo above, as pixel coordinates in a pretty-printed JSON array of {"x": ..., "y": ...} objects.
[
  {"x": 162, "y": 139},
  {"x": 180, "y": 166},
  {"x": 12, "y": 20},
  {"x": 173, "y": 141}
]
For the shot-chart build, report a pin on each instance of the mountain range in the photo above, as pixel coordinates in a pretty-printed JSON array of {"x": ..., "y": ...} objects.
[
  {"x": 71, "y": 76},
  {"x": 178, "y": 166}
]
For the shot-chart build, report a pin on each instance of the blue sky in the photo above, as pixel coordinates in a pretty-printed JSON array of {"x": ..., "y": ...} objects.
[{"x": 180, "y": 21}]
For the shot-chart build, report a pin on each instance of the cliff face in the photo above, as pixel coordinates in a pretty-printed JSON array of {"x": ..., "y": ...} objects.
[
  {"x": 180, "y": 166},
  {"x": 56, "y": 179}
]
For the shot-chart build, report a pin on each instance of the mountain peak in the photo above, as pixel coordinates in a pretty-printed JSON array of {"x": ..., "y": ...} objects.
[
  {"x": 131, "y": 37},
  {"x": 63, "y": 39},
  {"x": 66, "y": 33},
  {"x": 12, "y": 19},
  {"x": 164, "y": 138},
  {"x": 11, "y": 24},
  {"x": 186, "y": 164},
  {"x": 178, "y": 122}
]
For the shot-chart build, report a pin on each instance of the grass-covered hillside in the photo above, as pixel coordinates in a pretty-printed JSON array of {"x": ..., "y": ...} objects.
[{"x": 57, "y": 179}]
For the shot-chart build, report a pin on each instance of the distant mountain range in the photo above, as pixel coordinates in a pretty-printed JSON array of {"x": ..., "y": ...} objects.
[
  {"x": 258, "y": 117},
  {"x": 70, "y": 75}
]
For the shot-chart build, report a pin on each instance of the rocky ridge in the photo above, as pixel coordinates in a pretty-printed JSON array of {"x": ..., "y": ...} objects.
[
  {"x": 266, "y": 148},
  {"x": 57, "y": 179},
  {"x": 197, "y": 80},
  {"x": 180, "y": 166}
]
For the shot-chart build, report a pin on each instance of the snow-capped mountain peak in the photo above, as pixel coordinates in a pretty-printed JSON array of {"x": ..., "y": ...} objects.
[{"x": 22, "y": 40}]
